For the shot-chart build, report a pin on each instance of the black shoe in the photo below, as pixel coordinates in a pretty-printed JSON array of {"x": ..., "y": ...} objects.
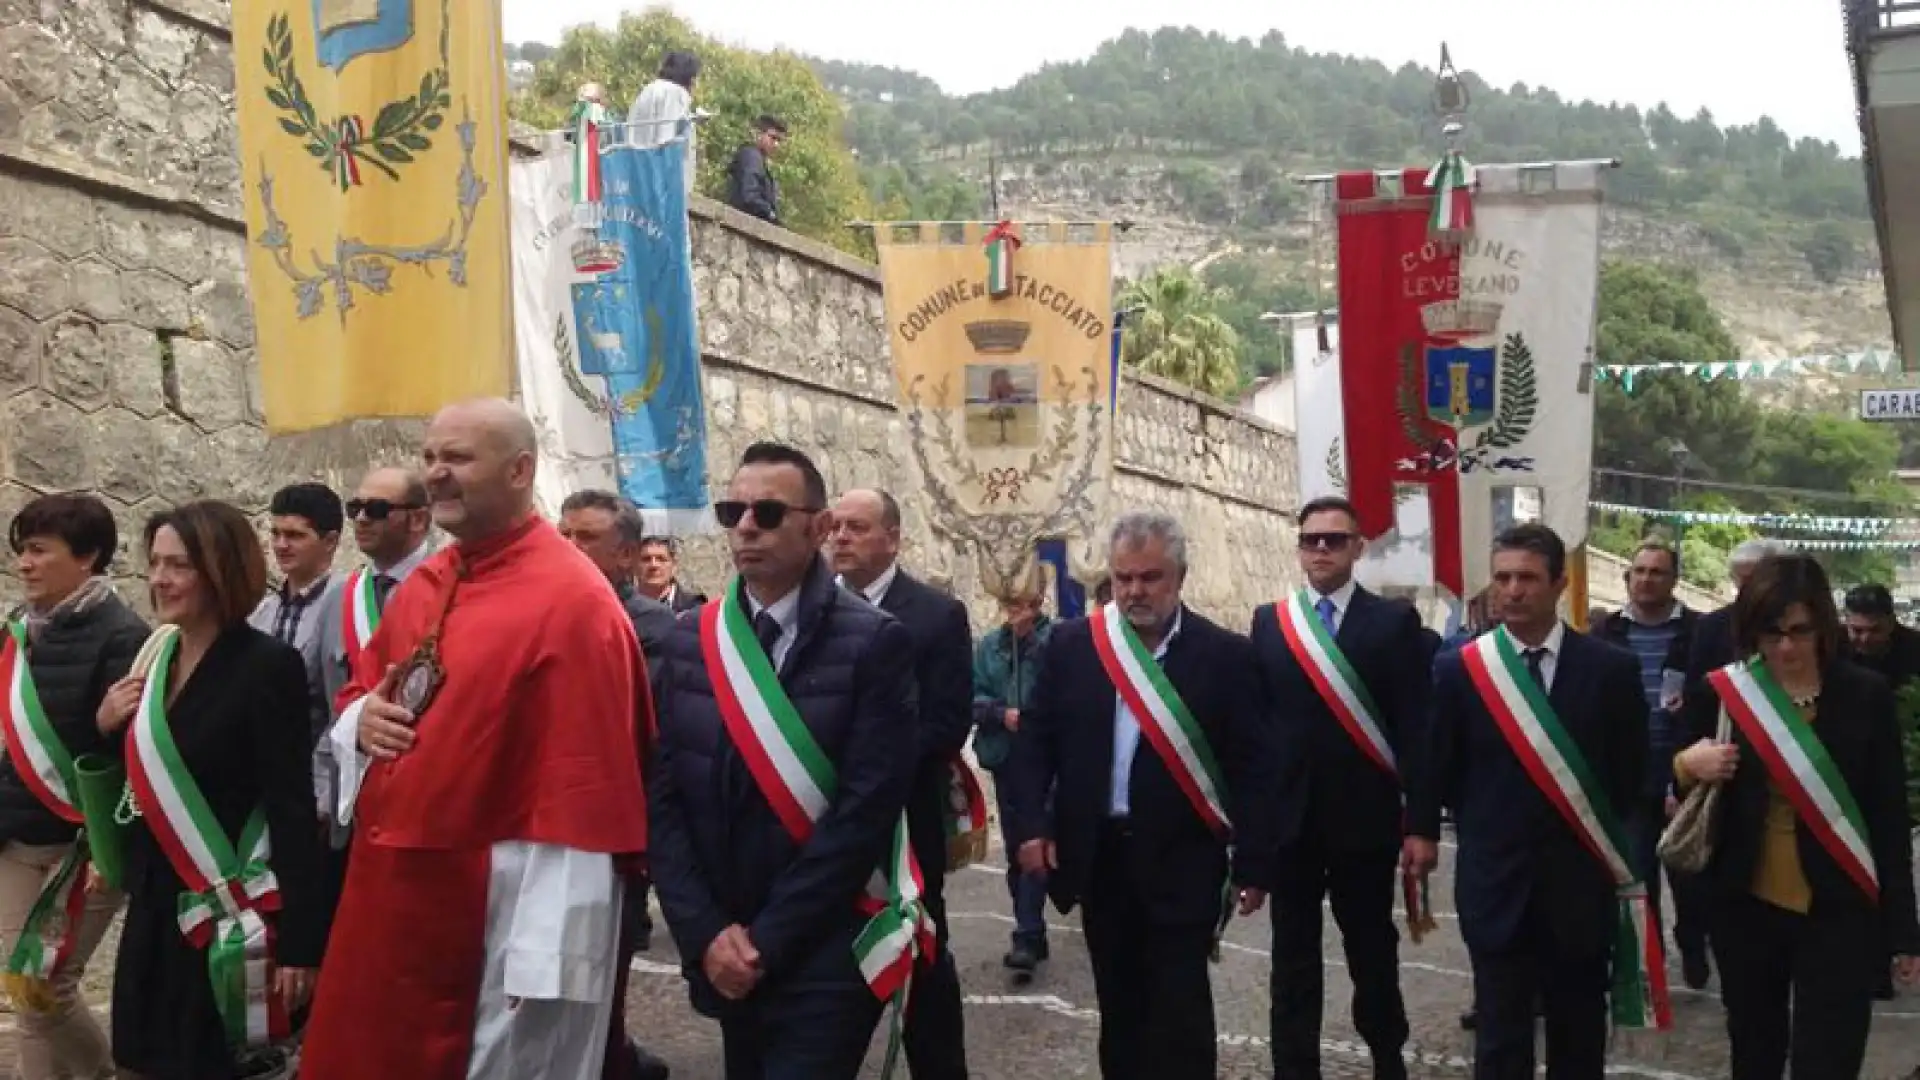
[
  {"x": 1021, "y": 960},
  {"x": 1040, "y": 950},
  {"x": 1389, "y": 1067},
  {"x": 1469, "y": 1020},
  {"x": 643, "y": 1065},
  {"x": 1694, "y": 969}
]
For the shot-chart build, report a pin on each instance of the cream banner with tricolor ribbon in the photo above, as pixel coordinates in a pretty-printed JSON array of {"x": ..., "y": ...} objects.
[
  {"x": 1008, "y": 399},
  {"x": 372, "y": 143}
]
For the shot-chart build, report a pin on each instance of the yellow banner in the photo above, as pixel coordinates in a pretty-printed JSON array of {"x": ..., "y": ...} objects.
[
  {"x": 1003, "y": 351},
  {"x": 372, "y": 136}
]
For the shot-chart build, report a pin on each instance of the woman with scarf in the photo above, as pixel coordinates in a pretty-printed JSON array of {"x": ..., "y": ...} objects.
[
  {"x": 71, "y": 640},
  {"x": 226, "y": 913}
]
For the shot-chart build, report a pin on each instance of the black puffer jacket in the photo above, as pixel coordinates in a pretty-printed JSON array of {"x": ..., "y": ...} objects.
[
  {"x": 75, "y": 658},
  {"x": 718, "y": 853}
]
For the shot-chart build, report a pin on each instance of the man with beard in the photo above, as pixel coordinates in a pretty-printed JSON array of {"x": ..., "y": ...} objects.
[
  {"x": 390, "y": 522},
  {"x": 1146, "y": 725},
  {"x": 788, "y": 740},
  {"x": 1333, "y": 660},
  {"x": 487, "y": 747}
]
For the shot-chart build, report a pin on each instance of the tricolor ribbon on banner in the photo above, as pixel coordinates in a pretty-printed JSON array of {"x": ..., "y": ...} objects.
[
  {"x": 1452, "y": 182},
  {"x": 1001, "y": 242},
  {"x": 585, "y": 123}
]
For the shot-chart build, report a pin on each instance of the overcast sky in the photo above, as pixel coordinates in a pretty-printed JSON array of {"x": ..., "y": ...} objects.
[{"x": 1740, "y": 58}]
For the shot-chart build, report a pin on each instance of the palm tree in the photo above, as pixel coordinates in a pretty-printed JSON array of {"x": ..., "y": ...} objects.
[{"x": 1175, "y": 331}]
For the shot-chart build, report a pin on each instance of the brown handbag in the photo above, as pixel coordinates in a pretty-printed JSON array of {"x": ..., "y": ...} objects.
[{"x": 1686, "y": 844}]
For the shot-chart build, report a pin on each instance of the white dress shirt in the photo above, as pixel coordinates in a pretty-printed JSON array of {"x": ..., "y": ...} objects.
[
  {"x": 1126, "y": 736},
  {"x": 1551, "y": 661},
  {"x": 1341, "y": 597},
  {"x": 785, "y": 611},
  {"x": 876, "y": 589}
]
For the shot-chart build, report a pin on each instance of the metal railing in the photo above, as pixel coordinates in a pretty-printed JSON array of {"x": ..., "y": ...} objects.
[{"x": 1869, "y": 17}]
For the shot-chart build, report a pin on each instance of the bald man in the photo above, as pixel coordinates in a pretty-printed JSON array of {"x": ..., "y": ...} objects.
[
  {"x": 489, "y": 766},
  {"x": 865, "y": 547}
]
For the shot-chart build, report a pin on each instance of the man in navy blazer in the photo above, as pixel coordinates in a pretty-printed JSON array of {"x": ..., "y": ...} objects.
[
  {"x": 1340, "y": 824},
  {"x": 1130, "y": 837},
  {"x": 1538, "y": 910}
]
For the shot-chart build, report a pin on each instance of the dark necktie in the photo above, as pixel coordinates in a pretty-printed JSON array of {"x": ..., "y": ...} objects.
[
  {"x": 767, "y": 629},
  {"x": 1536, "y": 657},
  {"x": 382, "y": 588}
]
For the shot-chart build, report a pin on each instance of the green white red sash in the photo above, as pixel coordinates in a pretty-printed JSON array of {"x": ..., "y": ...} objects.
[
  {"x": 1798, "y": 764},
  {"x": 360, "y": 614},
  {"x": 1533, "y": 731},
  {"x": 45, "y": 765},
  {"x": 1339, "y": 685},
  {"x": 228, "y": 898},
  {"x": 966, "y": 816},
  {"x": 795, "y": 776},
  {"x": 1165, "y": 721}
]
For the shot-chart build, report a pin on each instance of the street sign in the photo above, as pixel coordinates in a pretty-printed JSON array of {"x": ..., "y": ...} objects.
[{"x": 1899, "y": 404}]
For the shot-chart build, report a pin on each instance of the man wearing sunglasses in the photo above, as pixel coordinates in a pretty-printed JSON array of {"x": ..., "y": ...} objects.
[
  {"x": 388, "y": 515},
  {"x": 866, "y": 550},
  {"x": 1334, "y": 665},
  {"x": 761, "y": 869}
]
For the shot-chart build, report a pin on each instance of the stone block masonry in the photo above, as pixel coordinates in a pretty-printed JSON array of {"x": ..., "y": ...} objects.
[{"x": 126, "y": 362}]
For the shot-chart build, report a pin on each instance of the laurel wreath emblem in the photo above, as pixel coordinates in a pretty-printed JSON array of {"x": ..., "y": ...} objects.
[
  {"x": 1513, "y": 417},
  {"x": 402, "y": 129}
]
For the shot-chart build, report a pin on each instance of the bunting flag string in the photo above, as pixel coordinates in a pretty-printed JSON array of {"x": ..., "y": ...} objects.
[
  {"x": 1852, "y": 526},
  {"x": 1865, "y": 361},
  {"x": 1850, "y": 545}
]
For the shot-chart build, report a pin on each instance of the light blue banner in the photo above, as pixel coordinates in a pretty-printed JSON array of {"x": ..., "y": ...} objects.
[{"x": 638, "y": 330}]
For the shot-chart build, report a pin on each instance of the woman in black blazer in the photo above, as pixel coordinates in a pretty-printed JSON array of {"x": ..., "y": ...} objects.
[
  {"x": 1798, "y": 936},
  {"x": 235, "y": 705}
]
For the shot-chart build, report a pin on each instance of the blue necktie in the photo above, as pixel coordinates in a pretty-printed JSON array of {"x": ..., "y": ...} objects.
[{"x": 1326, "y": 610}]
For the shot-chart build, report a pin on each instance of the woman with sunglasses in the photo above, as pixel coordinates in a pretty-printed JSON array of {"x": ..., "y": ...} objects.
[
  {"x": 72, "y": 639},
  {"x": 1811, "y": 870}
]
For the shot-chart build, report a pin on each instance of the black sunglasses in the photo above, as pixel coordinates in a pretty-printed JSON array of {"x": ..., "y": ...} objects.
[
  {"x": 377, "y": 509},
  {"x": 1327, "y": 541},
  {"x": 767, "y": 513}
]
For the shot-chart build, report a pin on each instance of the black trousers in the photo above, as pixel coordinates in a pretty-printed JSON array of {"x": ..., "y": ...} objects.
[
  {"x": 935, "y": 1036},
  {"x": 1798, "y": 989},
  {"x": 1360, "y": 887},
  {"x": 801, "y": 1031},
  {"x": 1569, "y": 990},
  {"x": 1151, "y": 978}
]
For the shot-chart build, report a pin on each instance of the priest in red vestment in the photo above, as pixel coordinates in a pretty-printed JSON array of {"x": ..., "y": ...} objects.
[{"x": 489, "y": 769}]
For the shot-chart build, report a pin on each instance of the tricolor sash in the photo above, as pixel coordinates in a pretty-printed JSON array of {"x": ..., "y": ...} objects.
[
  {"x": 966, "y": 816},
  {"x": 1165, "y": 721},
  {"x": 798, "y": 780},
  {"x": 1798, "y": 764},
  {"x": 1533, "y": 731},
  {"x": 228, "y": 898},
  {"x": 43, "y": 762},
  {"x": 1339, "y": 685},
  {"x": 360, "y": 613}
]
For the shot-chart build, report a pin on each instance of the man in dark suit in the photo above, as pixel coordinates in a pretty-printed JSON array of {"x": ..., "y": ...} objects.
[
  {"x": 1333, "y": 665},
  {"x": 1538, "y": 910},
  {"x": 1146, "y": 724},
  {"x": 760, "y": 870},
  {"x": 657, "y": 574},
  {"x": 608, "y": 530},
  {"x": 866, "y": 547}
]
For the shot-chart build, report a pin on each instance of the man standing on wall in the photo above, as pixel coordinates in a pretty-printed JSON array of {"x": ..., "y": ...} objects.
[
  {"x": 1333, "y": 659},
  {"x": 866, "y": 550},
  {"x": 750, "y": 185}
]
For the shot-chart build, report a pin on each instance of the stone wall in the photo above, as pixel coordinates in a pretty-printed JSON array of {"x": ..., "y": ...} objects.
[{"x": 125, "y": 336}]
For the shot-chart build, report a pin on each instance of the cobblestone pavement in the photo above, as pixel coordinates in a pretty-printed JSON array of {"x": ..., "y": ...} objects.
[{"x": 1047, "y": 1030}]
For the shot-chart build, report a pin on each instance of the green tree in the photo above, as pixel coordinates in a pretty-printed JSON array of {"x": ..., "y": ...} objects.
[
  {"x": 1828, "y": 248},
  {"x": 820, "y": 188},
  {"x": 1178, "y": 334}
]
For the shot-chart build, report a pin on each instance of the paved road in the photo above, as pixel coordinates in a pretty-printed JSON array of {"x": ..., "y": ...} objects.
[{"x": 1047, "y": 1031}]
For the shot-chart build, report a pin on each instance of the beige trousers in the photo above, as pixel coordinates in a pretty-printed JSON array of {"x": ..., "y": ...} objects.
[{"x": 64, "y": 1042}]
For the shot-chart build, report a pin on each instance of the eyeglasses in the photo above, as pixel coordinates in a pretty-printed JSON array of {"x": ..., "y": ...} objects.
[
  {"x": 1802, "y": 632},
  {"x": 1327, "y": 541},
  {"x": 377, "y": 509},
  {"x": 767, "y": 513}
]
